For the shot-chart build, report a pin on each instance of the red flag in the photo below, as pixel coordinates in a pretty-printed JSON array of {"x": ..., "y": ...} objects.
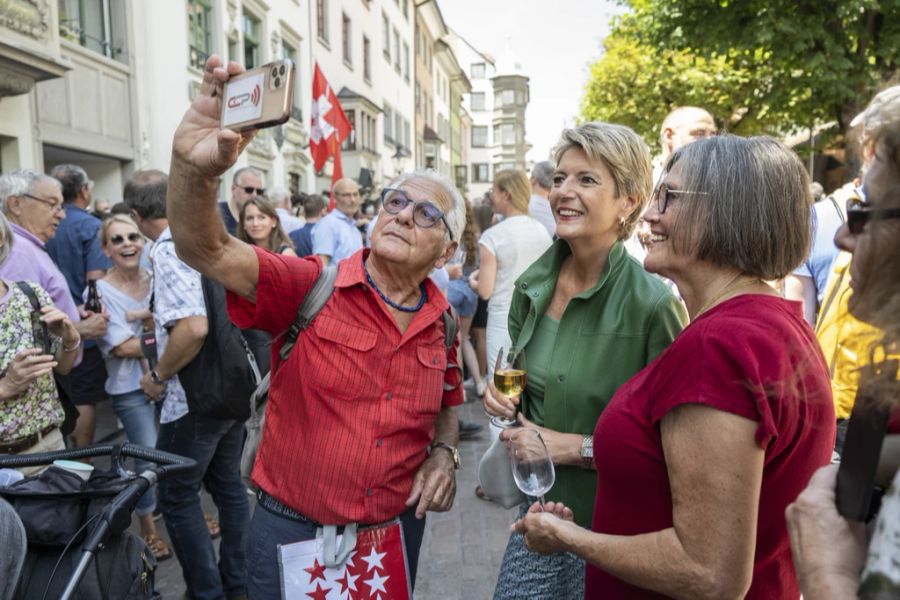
[{"x": 329, "y": 127}]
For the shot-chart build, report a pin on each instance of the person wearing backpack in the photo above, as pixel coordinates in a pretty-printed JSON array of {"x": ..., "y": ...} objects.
[
  {"x": 187, "y": 331},
  {"x": 360, "y": 423}
]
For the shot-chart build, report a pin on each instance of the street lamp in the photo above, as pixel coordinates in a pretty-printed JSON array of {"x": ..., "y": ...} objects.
[{"x": 399, "y": 156}]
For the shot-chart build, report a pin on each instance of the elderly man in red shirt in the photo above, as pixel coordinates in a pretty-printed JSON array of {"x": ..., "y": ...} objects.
[{"x": 360, "y": 425}]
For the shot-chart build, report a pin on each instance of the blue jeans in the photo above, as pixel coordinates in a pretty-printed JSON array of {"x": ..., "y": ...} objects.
[
  {"x": 138, "y": 416},
  {"x": 216, "y": 446},
  {"x": 268, "y": 530}
]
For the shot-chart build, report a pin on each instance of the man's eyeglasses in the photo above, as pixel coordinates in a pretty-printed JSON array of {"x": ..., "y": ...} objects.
[
  {"x": 425, "y": 213},
  {"x": 249, "y": 190},
  {"x": 118, "y": 240},
  {"x": 860, "y": 212},
  {"x": 663, "y": 194},
  {"x": 54, "y": 206}
]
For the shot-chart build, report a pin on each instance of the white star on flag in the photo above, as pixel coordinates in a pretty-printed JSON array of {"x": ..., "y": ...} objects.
[
  {"x": 374, "y": 559},
  {"x": 376, "y": 583}
]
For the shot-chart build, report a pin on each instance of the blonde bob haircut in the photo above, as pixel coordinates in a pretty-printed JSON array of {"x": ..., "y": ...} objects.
[
  {"x": 112, "y": 220},
  {"x": 751, "y": 209},
  {"x": 517, "y": 185},
  {"x": 625, "y": 155}
]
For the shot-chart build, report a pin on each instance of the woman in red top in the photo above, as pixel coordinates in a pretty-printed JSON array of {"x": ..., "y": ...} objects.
[{"x": 699, "y": 454}]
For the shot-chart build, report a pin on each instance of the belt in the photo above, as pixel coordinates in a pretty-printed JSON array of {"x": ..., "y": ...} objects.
[
  {"x": 272, "y": 505},
  {"x": 26, "y": 442}
]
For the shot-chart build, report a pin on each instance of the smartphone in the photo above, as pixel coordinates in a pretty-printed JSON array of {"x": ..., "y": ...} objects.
[
  {"x": 259, "y": 98},
  {"x": 40, "y": 333}
]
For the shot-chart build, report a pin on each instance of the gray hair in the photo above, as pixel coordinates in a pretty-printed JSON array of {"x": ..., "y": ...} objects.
[
  {"x": 73, "y": 179},
  {"x": 277, "y": 195},
  {"x": 456, "y": 216},
  {"x": 6, "y": 238},
  {"x": 625, "y": 155},
  {"x": 750, "y": 210},
  {"x": 543, "y": 174},
  {"x": 240, "y": 173},
  {"x": 21, "y": 182}
]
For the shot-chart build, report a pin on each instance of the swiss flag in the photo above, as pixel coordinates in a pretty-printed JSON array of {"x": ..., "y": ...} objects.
[{"x": 329, "y": 127}]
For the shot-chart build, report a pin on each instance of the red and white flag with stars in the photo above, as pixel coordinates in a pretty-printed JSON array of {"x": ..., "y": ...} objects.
[{"x": 375, "y": 570}]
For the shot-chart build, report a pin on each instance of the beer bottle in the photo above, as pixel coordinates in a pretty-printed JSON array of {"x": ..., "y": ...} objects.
[{"x": 93, "y": 298}]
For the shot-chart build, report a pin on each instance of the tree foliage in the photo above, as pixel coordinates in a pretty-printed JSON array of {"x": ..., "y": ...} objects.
[{"x": 760, "y": 66}]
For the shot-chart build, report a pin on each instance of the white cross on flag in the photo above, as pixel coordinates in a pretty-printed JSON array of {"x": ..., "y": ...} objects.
[
  {"x": 329, "y": 127},
  {"x": 375, "y": 570}
]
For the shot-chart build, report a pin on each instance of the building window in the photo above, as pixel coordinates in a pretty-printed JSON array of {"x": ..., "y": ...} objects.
[
  {"x": 398, "y": 128},
  {"x": 349, "y": 142},
  {"x": 322, "y": 20},
  {"x": 407, "y": 133},
  {"x": 418, "y": 99},
  {"x": 406, "y": 61},
  {"x": 478, "y": 101},
  {"x": 505, "y": 134},
  {"x": 346, "y": 33},
  {"x": 460, "y": 176},
  {"x": 199, "y": 35},
  {"x": 481, "y": 173},
  {"x": 250, "y": 26},
  {"x": 288, "y": 51},
  {"x": 388, "y": 124},
  {"x": 406, "y": 9},
  {"x": 397, "y": 51},
  {"x": 367, "y": 61},
  {"x": 479, "y": 136},
  {"x": 386, "y": 36},
  {"x": 477, "y": 70},
  {"x": 98, "y": 25}
]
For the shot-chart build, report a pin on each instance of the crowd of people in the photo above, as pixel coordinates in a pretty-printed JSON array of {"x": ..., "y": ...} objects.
[{"x": 695, "y": 341}]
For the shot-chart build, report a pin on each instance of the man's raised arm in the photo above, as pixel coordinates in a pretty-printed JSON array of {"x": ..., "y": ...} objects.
[{"x": 201, "y": 153}]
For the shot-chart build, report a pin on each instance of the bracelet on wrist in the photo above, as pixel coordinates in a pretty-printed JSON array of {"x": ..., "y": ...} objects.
[{"x": 73, "y": 348}]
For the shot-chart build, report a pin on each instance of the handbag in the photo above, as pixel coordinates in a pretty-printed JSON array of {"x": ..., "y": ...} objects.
[
  {"x": 376, "y": 566},
  {"x": 495, "y": 473}
]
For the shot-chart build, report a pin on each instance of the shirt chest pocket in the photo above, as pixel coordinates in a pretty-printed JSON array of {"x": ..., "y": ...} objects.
[
  {"x": 345, "y": 363},
  {"x": 431, "y": 365}
]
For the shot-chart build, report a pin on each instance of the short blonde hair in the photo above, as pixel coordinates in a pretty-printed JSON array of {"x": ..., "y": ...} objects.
[
  {"x": 625, "y": 155},
  {"x": 103, "y": 234},
  {"x": 517, "y": 185}
]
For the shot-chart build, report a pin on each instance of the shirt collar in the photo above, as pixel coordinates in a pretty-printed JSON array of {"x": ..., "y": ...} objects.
[
  {"x": 352, "y": 272},
  {"x": 21, "y": 231},
  {"x": 349, "y": 220},
  {"x": 540, "y": 278}
]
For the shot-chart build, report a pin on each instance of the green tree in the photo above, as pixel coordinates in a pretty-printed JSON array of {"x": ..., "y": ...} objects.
[{"x": 637, "y": 84}]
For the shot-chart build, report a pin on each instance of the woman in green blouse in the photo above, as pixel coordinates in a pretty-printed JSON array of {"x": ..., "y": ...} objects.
[{"x": 589, "y": 317}]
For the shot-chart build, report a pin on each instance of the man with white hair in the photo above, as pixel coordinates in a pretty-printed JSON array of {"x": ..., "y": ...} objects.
[
  {"x": 281, "y": 200},
  {"x": 539, "y": 204}
]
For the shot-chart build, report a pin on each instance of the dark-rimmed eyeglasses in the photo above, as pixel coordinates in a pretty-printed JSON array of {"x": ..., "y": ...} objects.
[
  {"x": 54, "y": 206},
  {"x": 426, "y": 214},
  {"x": 250, "y": 190},
  {"x": 664, "y": 194},
  {"x": 860, "y": 212},
  {"x": 118, "y": 240}
]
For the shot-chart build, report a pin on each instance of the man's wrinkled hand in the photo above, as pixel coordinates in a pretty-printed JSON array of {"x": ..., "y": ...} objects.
[
  {"x": 201, "y": 145},
  {"x": 434, "y": 486}
]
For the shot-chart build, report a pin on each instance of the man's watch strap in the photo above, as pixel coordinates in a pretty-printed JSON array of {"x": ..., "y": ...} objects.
[
  {"x": 155, "y": 378},
  {"x": 454, "y": 452}
]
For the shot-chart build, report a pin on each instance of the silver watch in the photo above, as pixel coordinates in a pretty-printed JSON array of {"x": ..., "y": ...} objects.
[{"x": 587, "y": 451}]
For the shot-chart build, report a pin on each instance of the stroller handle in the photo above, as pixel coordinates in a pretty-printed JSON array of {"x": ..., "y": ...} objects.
[{"x": 167, "y": 464}]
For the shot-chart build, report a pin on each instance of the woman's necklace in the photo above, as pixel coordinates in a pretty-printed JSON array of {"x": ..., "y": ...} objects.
[
  {"x": 728, "y": 288},
  {"x": 400, "y": 307}
]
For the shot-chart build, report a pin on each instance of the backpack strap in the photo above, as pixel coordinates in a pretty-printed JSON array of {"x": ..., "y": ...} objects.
[
  {"x": 312, "y": 304},
  {"x": 451, "y": 328}
]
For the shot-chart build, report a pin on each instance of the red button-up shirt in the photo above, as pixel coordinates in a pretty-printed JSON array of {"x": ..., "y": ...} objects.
[{"x": 351, "y": 412}]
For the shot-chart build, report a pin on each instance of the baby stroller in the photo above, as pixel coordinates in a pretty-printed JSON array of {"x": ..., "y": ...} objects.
[{"x": 78, "y": 546}]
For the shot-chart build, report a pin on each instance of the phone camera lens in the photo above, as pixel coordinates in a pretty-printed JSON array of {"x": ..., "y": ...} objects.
[
  {"x": 274, "y": 71},
  {"x": 278, "y": 82},
  {"x": 281, "y": 70}
]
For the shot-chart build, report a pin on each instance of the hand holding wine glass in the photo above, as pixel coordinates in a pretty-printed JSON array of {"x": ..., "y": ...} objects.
[
  {"x": 532, "y": 467},
  {"x": 509, "y": 375}
]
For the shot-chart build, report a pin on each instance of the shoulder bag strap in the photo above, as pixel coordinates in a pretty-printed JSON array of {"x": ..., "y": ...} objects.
[
  {"x": 450, "y": 331},
  {"x": 312, "y": 304},
  {"x": 36, "y": 308}
]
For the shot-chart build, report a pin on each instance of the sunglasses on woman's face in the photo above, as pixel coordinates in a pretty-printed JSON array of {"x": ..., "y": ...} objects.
[
  {"x": 860, "y": 212},
  {"x": 118, "y": 240}
]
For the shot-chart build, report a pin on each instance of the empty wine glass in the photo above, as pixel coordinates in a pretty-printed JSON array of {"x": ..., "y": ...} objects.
[
  {"x": 509, "y": 374},
  {"x": 531, "y": 464}
]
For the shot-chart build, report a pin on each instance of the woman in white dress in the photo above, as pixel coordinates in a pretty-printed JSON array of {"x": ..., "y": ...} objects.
[{"x": 505, "y": 251}]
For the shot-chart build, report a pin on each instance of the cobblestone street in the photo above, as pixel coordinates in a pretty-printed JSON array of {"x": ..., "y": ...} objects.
[{"x": 461, "y": 551}]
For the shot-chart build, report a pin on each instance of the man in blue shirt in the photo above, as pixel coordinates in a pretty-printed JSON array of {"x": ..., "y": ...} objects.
[
  {"x": 313, "y": 212},
  {"x": 76, "y": 251},
  {"x": 336, "y": 236}
]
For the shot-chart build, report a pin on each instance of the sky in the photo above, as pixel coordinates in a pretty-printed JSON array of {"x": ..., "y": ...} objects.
[{"x": 555, "y": 43}]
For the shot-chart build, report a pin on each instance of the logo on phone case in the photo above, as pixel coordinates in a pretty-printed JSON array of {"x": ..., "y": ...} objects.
[{"x": 240, "y": 100}]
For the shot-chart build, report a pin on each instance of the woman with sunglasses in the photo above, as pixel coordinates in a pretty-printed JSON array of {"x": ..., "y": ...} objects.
[
  {"x": 589, "y": 317},
  {"x": 835, "y": 557},
  {"x": 700, "y": 453},
  {"x": 260, "y": 225},
  {"x": 126, "y": 295}
]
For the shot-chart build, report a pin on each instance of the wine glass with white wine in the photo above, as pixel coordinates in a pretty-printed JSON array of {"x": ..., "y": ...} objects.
[
  {"x": 531, "y": 463},
  {"x": 509, "y": 375}
]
